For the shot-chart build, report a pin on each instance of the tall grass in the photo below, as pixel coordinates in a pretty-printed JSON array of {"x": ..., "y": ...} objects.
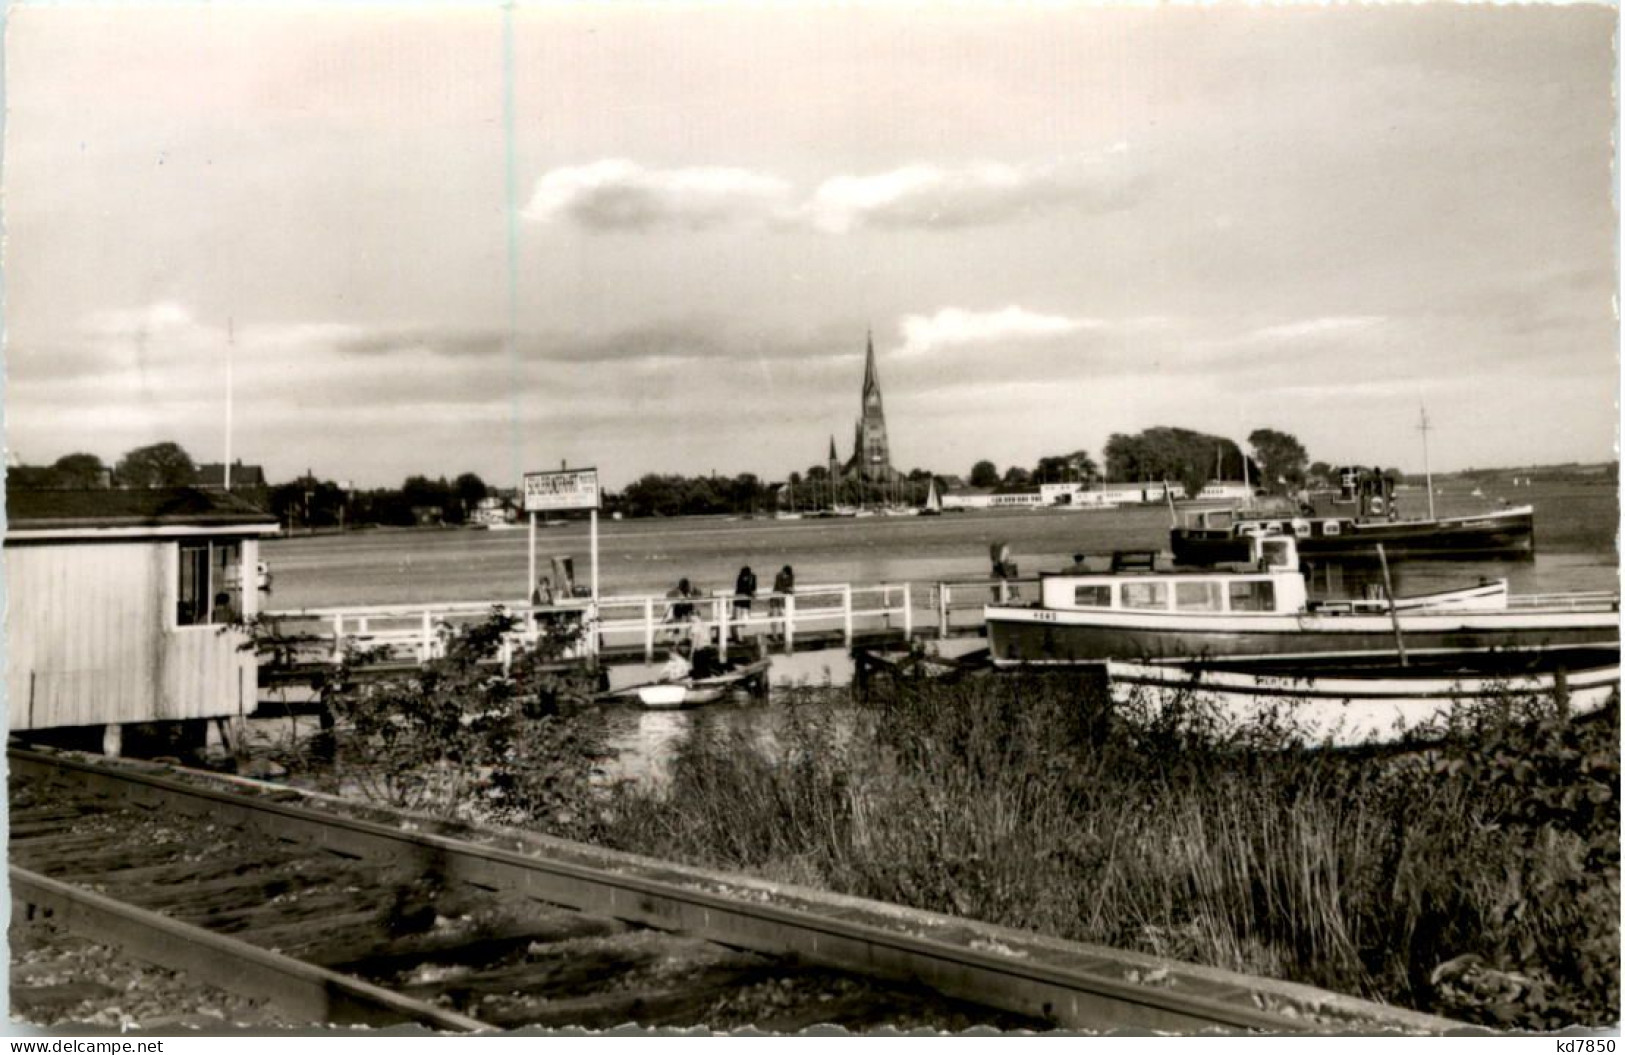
[{"x": 1479, "y": 879}]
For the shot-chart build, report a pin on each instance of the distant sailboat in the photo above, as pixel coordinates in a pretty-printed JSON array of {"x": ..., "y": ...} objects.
[{"x": 933, "y": 501}]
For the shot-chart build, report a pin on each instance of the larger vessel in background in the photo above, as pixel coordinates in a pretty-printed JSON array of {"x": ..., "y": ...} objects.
[{"x": 1362, "y": 514}]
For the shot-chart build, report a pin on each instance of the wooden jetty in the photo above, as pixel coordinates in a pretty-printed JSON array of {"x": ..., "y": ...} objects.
[{"x": 639, "y": 629}]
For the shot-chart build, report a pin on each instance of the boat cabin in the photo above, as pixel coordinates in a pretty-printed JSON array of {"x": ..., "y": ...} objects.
[
  {"x": 118, "y": 603},
  {"x": 1229, "y": 523},
  {"x": 1270, "y": 582}
]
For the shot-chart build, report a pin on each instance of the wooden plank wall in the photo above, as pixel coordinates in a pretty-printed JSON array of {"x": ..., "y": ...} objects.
[{"x": 91, "y": 640}]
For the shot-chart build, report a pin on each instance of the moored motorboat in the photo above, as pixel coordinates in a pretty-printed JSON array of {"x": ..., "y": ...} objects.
[
  {"x": 1346, "y": 700},
  {"x": 1263, "y": 608},
  {"x": 693, "y": 692}
]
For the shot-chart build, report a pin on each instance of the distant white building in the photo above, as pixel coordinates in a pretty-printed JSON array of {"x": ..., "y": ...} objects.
[
  {"x": 492, "y": 509},
  {"x": 1225, "y": 490},
  {"x": 1078, "y": 495},
  {"x": 1110, "y": 494},
  {"x": 993, "y": 498}
]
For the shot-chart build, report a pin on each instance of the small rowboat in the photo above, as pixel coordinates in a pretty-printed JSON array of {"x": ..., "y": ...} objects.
[
  {"x": 1348, "y": 700},
  {"x": 693, "y": 692}
]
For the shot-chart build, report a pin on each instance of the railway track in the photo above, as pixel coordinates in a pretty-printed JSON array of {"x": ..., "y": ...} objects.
[{"x": 347, "y": 914}]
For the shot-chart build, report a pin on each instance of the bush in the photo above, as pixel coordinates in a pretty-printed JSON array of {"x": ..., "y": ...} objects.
[{"x": 465, "y": 735}]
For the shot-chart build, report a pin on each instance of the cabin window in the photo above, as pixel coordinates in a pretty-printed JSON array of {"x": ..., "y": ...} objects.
[
  {"x": 1145, "y": 595},
  {"x": 1097, "y": 596},
  {"x": 211, "y": 583},
  {"x": 1196, "y": 596},
  {"x": 1275, "y": 554},
  {"x": 1332, "y": 527},
  {"x": 1257, "y": 595}
]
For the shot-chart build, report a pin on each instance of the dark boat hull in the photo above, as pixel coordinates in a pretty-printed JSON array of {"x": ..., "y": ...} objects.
[
  {"x": 1498, "y": 535},
  {"x": 1012, "y": 643}
]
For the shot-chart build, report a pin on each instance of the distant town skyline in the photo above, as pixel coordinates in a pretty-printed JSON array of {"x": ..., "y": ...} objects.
[{"x": 653, "y": 239}]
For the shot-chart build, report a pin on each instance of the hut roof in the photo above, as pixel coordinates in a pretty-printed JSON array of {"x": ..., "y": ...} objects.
[{"x": 158, "y": 507}]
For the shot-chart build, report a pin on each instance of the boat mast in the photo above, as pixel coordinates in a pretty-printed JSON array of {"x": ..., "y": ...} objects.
[{"x": 1427, "y": 469}]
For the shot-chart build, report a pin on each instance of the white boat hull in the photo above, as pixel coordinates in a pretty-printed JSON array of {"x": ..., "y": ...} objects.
[{"x": 1338, "y": 709}]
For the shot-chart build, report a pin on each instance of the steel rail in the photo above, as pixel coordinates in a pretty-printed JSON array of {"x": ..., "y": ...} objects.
[
  {"x": 303, "y": 989},
  {"x": 1072, "y": 984}
]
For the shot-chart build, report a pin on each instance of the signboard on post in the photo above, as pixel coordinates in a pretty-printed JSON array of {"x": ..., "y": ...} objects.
[{"x": 560, "y": 491}]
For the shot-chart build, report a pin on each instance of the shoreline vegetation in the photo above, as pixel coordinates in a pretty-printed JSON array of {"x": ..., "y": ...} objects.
[{"x": 1477, "y": 878}]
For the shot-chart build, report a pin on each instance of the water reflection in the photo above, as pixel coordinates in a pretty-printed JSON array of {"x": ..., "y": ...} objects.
[{"x": 646, "y": 743}]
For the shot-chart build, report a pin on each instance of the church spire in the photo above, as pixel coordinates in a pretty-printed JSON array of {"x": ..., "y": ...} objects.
[
  {"x": 873, "y": 454},
  {"x": 871, "y": 380}
]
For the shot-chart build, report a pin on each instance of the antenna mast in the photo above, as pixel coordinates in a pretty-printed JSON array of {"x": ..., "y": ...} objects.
[{"x": 1427, "y": 469}]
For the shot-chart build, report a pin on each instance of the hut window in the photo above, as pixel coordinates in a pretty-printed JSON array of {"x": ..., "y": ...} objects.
[
  {"x": 211, "y": 583},
  {"x": 1145, "y": 595},
  {"x": 1252, "y": 596}
]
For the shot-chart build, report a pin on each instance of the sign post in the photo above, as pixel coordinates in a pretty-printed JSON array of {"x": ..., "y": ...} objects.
[{"x": 560, "y": 491}]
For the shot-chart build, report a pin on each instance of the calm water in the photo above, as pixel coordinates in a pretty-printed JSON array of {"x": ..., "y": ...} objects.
[{"x": 1576, "y": 528}]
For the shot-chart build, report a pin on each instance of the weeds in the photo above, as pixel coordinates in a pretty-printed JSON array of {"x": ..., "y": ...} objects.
[{"x": 1478, "y": 879}]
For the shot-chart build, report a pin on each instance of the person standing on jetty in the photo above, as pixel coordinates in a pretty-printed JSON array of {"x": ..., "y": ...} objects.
[
  {"x": 784, "y": 584},
  {"x": 680, "y": 609},
  {"x": 744, "y": 595}
]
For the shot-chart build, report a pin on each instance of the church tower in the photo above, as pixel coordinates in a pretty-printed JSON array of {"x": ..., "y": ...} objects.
[{"x": 873, "y": 455}]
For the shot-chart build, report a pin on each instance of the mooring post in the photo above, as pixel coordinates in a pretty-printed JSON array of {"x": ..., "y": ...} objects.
[
  {"x": 789, "y": 622},
  {"x": 908, "y": 613},
  {"x": 426, "y": 650},
  {"x": 942, "y": 609},
  {"x": 338, "y": 636},
  {"x": 846, "y": 612},
  {"x": 648, "y": 630},
  {"x": 723, "y": 630}
]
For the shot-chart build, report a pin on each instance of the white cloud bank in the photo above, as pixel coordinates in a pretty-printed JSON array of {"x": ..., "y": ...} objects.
[
  {"x": 954, "y": 327},
  {"x": 619, "y": 195}
]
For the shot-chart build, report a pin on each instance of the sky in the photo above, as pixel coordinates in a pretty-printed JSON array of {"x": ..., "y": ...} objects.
[{"x": 423, "y": 239}]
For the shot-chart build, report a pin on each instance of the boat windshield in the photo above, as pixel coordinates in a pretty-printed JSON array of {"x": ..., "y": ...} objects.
[{"x": 1252, "y": 595}]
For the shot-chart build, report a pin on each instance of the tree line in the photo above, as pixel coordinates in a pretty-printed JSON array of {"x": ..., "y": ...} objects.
[{"x": 1275, "y": 462}]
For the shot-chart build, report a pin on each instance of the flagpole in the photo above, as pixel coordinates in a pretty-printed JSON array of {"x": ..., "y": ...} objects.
[
  {"x": 231, "y": 341},
  {"x": 1427, "y": 468}
]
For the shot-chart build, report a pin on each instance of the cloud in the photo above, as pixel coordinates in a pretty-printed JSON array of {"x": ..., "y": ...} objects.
[
  {"x": 1313, "y": 329},
  {"x": 438, "y": 341},
  {"x": 615, "y": 194},
  {"x": 951, "y": 327},
  {"x": 935, "y": 197},
  {"x": 619, "y": 195}
]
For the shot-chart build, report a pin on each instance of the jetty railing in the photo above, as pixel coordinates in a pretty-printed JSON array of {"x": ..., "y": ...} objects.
[
  {"x": 1578, "y": 601},
  {"x": 646, "y": 623},
  {"x": 958, "y": 605}
]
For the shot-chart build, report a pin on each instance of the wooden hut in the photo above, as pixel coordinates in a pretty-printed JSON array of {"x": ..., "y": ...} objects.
[{"x": 115, "y": 603}]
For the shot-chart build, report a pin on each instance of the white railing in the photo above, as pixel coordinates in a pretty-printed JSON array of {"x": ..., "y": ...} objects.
[
  {"x": 1579, "y": 601},
  {"x": 646, "y": 623},
  {"x": 649, "y": 622},
  {"x": 951, "y": 600}
]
